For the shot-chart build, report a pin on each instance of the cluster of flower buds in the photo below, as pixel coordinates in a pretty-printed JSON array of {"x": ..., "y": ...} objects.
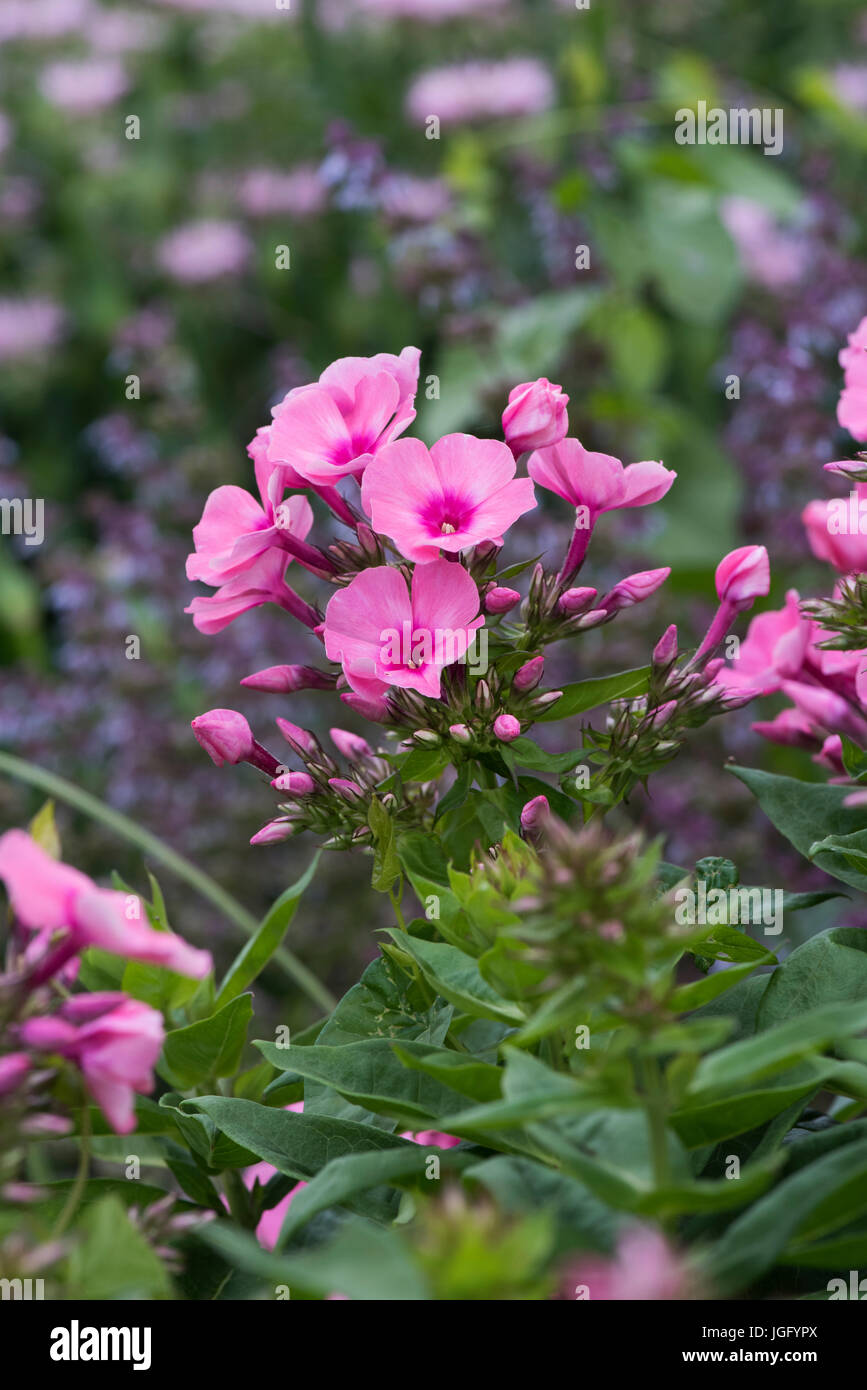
[{"x": 580, "y": 908}]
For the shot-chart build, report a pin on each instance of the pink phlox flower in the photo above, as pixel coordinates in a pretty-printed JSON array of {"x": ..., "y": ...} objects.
[
  {"x": 384, "y": 634},
  {"x": 460, "y": 492},
  {"x": 332, "y": 429}
]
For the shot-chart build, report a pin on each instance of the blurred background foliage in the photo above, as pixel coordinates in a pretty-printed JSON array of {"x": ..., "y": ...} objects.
[{"x": 157, "y": 257}]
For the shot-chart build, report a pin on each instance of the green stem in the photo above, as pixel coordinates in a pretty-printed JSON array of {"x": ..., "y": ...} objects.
[
  {"x": 75, "y": 1192},
  {"x": 239, "y": 1199},
  {"x": 162, "y": 853},
  {"x": 655, "y": 1108}
]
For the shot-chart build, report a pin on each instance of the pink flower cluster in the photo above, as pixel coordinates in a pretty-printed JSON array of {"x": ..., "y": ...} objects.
[
  {"x": 114, "y": 1040},
  {"x": 414, "y": 591}
]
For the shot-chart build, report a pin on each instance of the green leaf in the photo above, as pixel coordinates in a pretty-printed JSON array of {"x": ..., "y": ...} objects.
[
  {"x": 297, "y": 1145},
  {"x": 456, "y": 977},
  {"x": 774, "y": 1049},
  {"x": 525, "y": 753},
  {"x": 370, "y": 1074},
  {"x": 844, "y": 856},
  {"x": 386, "y": 865},
  {"x": 830, "y": 968},
  {"x": 207, "y": 1049},
  {"x": 424, "y": 764},
  {"x": 344, "y": 1178},
  {"x": 752, "y": 1243},
  {"x": 698, "y": 992},
  {"x": 805, "y": 812},
  {"x": 112, "y": 1259},
  {"x": 600, "y": 690},
  {"x": 702, "y": 1121},
  {"x": 254, "y": 956},
  {"x": 457, "y": 1070},
  {"x": 518, "y": 1185},
  {"x": 364, "y": 1261}
]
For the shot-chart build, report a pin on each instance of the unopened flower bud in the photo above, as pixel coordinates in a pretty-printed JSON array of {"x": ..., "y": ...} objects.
[
  {"x": 635, "y": 588},
  {"x": 743, "y": 576},
  {"x": 298, "y": 783},
  {"x": 507, "y": 728},
  {"x": 665, "y": 651},
  {"x": 368, "y": 542},
  {"x": 545, "y": 701},
  {"x": 225, "y": 735},
  {"x": 300, "y": 739},
  {"x": 528, "y": 676},
  {"x": 284, "y": 680},
  {"x": 664, "y": 713},
  {"x": 594, "y": 618},
  {"x": 372, "y": 707},
  {"x": 575, "y": 600},
  {"x": 499, "y": 600},
  {"x": 349, "y": 790},
  {"x": 427, "y": 737},
  {"x": 535, "y": 813},
  {"x": 484, "y": 701},
  {"x": 535, "y": 417},
  {"x": 460, "y": 733},
  {"x": 350, "y": 746}
]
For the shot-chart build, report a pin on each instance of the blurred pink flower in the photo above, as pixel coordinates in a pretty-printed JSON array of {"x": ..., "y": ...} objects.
[
  {"x": 384, "y": 635},
  {"x": 328, "y": 430},
  {"x": 42, "y": 19},
  {"x": 28, "y": 327},
  {"x": 122, "y": 31},
  {"x": 298, "y": 192},
  {"x": 770, "y": 255},
  {"x": 849, "y": 84},
  {"x": 460, "y": 492},
  {"x": 481, "y": 90},
  {"x": 82, "y": 85},
  {"x": 429, "y": 11},
  {"x": 204, "y": 250},
  {"x": 845, "y": 549},
  {"x": 644, "y": 1269},
  {"x": 406, "y": 198},
  {"x": 116, "y": 1048},
  {"x": 46, "y": 893}
]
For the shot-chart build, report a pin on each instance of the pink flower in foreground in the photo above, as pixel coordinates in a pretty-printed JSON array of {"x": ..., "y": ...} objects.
[
  {"x": 459, "y": 493},
  {"x": 645, "y": 1269},
  {"x": 535, "y": 417},
  {"x": 383, "y": 634},
  {"x": 260, "y": 582},
  {"x": 593, "y": 484},
  {"x": 773, "y": 650},
  {"x": 235, "y": 530},
  {"x": 204, "y": 250},
  {"x": 13, "y": 1069},
  {"x": 332, "y": 429},
  {"x": 45, "y": 893},
  {"x": 116, "y": 1048},
  {"x": 598, "y": 482}
]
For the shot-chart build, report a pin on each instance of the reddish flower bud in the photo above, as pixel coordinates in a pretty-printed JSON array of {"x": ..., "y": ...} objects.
[
  {"x": 225, "y": 735},
  {"x": 284, "y": 680},
  {"x": 298, "y": 783},
  {"x": 507, "y": 728},
  {"x": 300, "y": 739},
  {"x": 535, "y": 813},
  {"x": 743, "y": 576},
  {"x": 499, "y": 600},
  {"x": 350, "y": 746},
  {"x": 535, "y": 416},
  {"x": 530, "y": 674},
  {"x": 665, "y": 651},
  {"x": 575, "y": 600}
]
